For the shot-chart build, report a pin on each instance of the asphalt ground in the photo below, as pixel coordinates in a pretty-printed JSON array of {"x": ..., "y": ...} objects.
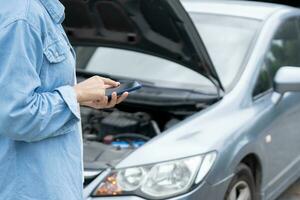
[{"x": 293, "y": 193}]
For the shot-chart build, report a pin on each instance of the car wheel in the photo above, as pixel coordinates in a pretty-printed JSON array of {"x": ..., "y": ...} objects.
[{"x": 242, "y": 186}]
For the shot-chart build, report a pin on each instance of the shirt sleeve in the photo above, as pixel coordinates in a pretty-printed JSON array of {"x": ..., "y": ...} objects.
[{"x": 27, "y": 114}]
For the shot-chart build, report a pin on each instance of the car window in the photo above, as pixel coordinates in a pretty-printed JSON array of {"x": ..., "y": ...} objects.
[
  {"x": 284, "y": 47},
  {"x": 229, "y": 49},
  {"x": 263, "y": 83}
]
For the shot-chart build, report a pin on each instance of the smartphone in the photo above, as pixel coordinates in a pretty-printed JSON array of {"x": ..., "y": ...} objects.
[{"x": 125, "y": 86}]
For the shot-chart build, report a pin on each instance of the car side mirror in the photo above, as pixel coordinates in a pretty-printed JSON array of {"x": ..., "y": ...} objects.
[{"x": 287, "y": 79}]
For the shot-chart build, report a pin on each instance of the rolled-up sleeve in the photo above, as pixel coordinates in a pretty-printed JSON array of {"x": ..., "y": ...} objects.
[{"x": 26, "y": 114}]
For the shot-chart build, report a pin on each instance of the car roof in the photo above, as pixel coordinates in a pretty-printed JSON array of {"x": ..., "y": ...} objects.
[{"x": 248, "y": 9}]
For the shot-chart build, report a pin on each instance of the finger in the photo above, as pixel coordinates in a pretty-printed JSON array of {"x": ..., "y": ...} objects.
[
  {"x": 113, "y": 100},
  {"x": 108, "y": 81},
  {"x": 104, "y": 102},
  {"x": 108, "y": 86},
  {"x": 123, "y": 97}
]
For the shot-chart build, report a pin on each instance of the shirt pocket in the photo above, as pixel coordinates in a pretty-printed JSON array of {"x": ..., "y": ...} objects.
[
  {"x": 55, "y": 52},
  {"x": 59, "y": 65}
]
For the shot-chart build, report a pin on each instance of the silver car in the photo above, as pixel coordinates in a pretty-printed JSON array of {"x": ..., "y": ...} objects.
[{"x": 218, "y": 116}]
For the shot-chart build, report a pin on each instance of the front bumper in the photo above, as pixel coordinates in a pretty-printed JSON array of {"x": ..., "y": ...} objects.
[{"x": 204, "y": 191}]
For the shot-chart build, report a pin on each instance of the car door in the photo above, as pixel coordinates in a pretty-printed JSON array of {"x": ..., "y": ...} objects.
[{"x": 282, "y": 133}]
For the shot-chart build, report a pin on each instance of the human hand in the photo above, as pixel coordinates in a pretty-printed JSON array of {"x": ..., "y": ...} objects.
[
  {"x": 91, "y": 92},
  {"x": 105, "y": 103}
]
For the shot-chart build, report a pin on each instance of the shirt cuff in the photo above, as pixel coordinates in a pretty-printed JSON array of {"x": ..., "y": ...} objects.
[{"x": 69, "y": 96}]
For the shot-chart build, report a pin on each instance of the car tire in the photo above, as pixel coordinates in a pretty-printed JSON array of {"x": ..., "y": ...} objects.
[{"x": 242, "y": 186}]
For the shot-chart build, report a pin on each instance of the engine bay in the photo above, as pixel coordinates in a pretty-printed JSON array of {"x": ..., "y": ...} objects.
[
  {"x": 117, "y": 132},
  {"x": 110, "y": 135}
]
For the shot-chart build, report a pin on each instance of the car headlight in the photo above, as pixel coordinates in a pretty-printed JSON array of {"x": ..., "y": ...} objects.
[{"x": 157, "y": 181}]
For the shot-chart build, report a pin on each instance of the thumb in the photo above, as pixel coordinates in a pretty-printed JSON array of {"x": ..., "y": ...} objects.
[{"x": 108, "y": 86}]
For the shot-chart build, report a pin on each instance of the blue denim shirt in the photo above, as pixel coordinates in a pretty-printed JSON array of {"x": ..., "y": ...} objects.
[{"x": 40, "y": 138}]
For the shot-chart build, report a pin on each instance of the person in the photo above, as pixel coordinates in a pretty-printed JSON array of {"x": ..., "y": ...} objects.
[{"x": 40, "y": 137}]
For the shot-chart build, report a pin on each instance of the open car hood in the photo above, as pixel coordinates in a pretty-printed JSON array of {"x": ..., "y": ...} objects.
[{"x": 157, "y": 27}]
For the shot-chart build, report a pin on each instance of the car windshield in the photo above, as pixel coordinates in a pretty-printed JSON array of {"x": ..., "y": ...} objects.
[
  {"x": 227, "y": 51},
  {"x": 227, "y": 40}
]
